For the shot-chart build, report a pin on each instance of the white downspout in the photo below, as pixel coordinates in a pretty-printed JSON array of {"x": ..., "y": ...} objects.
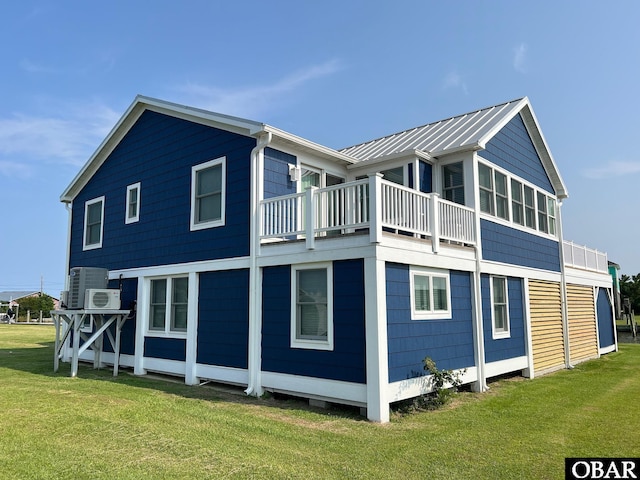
[
  {"x": 563, "y": 292},
  {"x": 254, "y": 386}
]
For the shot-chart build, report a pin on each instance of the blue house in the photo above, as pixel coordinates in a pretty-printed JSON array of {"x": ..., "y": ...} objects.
[{"x": 258, "y": 258}]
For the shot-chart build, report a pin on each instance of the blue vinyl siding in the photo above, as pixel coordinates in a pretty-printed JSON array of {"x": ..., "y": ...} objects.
[
  {"x": 223, "y": 318},
  {"x": 515, "y": 345},
  {"x": 448, "y": 342},
  {"x": 426, "y": 177},
  {"x": 516, "y": 247},
  {"x": 165, "y": 348},
  {"x": 159, "y": 151},
  {"x": 347, "y": 360},
  {"x": 276, "y": 173},
  {"x": 512, "y": 149},
  {"x": 605, "y": 319}
]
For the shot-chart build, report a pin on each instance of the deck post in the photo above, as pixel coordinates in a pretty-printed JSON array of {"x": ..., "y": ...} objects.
[
  {"x": 435, "y": 222},
  {"x": 375, "y": 207},
  {"x": 310, "y": 217}
]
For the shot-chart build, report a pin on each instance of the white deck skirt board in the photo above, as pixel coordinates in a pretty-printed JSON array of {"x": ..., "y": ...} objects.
[
  {"x": 318, "y": 388},
  {"x": 237, "y": 376},
  {"x": 412, "y": 387},
  {"x": 501, "y": 367}
]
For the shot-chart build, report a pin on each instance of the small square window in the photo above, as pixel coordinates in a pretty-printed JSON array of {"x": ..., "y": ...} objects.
[
  {"x": 430, "y": 294},
  {"x": 132, "y": 213},
  {"x": 93, "y": 223},
  {"x": 208, "y": 184}
]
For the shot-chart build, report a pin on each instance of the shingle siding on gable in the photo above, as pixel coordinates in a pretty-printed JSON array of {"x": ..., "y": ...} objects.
[
  {"x": 504, "y": 348},
  {"x": 276, "y": 173},
  {"x": 159, "y": 152},
  {"x": 448, "y": 342},
  {"x": 347, "y": 360},
  {"x": 516, "y": 247},
  {"x": 512, "y": 149}
]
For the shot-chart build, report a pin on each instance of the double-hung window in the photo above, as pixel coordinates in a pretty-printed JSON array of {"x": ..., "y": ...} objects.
[
  {"x": 312, "y": 306},
  {"x": 486, "y": 189},
  {"x": 542, "y": 213},
  {"x": 132, "y": 213},
  {"x": 500, "y": 307},
  {"x": 502, "y": 197},
  {"x": 93, "y": 223},
  {"x": 453, "y": 189},
  {"x": 168, "y": 305},
  {"x": 430, "y": 294},
  {"x": 208, "y": 194},
  {"x": 517, "y": 207},
  {"x": 529, "y": 207}
]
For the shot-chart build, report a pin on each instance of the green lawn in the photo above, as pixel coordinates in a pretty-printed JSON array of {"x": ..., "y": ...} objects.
[{"x": 94, "y": 426}]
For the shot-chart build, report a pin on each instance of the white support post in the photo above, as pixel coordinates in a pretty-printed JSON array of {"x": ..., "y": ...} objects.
[
  {"x": 435, "y": 222},
  {"x": 141, "y": 327},
  {"x": 190, "y": 377},
  {"x": 377, "y": 357},
  {"x": 375, "y": 208},
  {"x": 310, "y": 217}
]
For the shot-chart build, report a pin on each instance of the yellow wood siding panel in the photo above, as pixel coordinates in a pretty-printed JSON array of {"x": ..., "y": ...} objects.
[
  {"x": 547, "y": 338},
  {"x": 583, "y": 339}
]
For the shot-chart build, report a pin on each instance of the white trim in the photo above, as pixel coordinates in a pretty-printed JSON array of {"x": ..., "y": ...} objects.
[
  {"x": 308, "y": 343},
  {"x": 162, "y": 365},
  {"x": 501, "y": 333},
  {"x": 136, "y": 217},
  {"x": 608, "y": 349},
  {"x": 196, "y": 225},
  {"x": 238, "y": 376},
  {"x": 349, "y": 393},
  {"x": 191, "y": 353},
  {"x": 181, "y": 268},
  {"x": 529, "y": 371},
  {"x": 416, "y": 386},
  {"x": 142, "y": 320},
  {"x": 500, "y": 367},
  {"x": 168, "y": 332},
  {"x": 430, "y": 273},
  {"x": 87, "y": 204}
]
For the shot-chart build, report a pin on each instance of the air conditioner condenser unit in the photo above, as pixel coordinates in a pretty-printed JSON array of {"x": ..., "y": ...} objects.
[{"x": 102, "y": 298}]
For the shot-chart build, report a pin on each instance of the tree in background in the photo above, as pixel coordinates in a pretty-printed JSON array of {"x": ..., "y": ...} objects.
[
  {"x": 36, "y": 304},
  {"x": 630, "y": 288}
]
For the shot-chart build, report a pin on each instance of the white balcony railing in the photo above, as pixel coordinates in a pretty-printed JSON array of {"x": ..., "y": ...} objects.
[
  {"x": 373, "y": 204},
  {"x": 579, "y": 256}
]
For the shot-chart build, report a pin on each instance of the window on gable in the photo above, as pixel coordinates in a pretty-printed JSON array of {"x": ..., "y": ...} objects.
[
  {"x": 208, "y": 194},
  {"x": 529, "y": 207},
  {"x": 485, "y": 177},
  {"x": 430, "y": 294},
  {"x": 517, "y": 207},
  {"x": 312, "y": 307},
  {"x": 132, "y": 203},
  {"x": 453, "y": 189},
  {"x": 542, "y": 213},
  {"x": 499, "y": 307},
  {"x": 551, "y": 211},
  {"x": 502, "y": 198},
  {"x": 93, "y": 223},
  {"x": 168, "y": 305}
]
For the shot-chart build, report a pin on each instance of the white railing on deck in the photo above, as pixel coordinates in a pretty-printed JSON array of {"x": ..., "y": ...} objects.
[
  {"x": 579, "y": 256},
  {"x": 371, "y": 203}
]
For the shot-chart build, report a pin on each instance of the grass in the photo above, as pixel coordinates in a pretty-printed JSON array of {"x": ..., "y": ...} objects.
[{"x": 96, "y": 426}]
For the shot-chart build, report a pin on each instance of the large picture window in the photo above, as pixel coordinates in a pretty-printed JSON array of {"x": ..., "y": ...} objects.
[
  {"x": 93, "y": 223},
  {"x": 208, "y": 194},
  {"x": 500, "y": 307},
  {"x": 168, "y": 305},
  {"x": 430, "y": 294},
  {"x": 312, "y": 307}
]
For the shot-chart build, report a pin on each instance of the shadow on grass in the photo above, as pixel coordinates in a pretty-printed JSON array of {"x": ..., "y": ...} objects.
[{"x": 39, "y": 362}]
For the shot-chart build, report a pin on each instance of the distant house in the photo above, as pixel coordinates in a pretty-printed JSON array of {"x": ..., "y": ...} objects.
[
  {"x": 259, "y": 258},
  {"x": 12, "y": 298}
]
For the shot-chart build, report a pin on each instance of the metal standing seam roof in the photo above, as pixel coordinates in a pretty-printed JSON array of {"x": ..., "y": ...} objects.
[{"x": 460, "y": 132}]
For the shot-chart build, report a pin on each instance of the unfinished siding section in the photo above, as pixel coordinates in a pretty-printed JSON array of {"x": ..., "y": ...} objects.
[
  {"x": 546, "y": 326},
  {"x": 583, "y": 339}
]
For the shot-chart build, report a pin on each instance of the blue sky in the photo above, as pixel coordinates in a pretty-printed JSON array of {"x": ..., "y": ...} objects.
[{"x": 335, "y": 72}]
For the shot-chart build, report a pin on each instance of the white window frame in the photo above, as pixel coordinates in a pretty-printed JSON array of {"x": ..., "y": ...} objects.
[
  {"x": 196, "y": 225},
  {"x": 311, "y": 343},
  {"x": 127, "y": 217},
  {"x": 87, "y": 204},
  {"x": 430, "y": 314},
  {"x": 167, "y": 330},
  {"x": 506, "y": 332},
  {"x": 449, "y": 191}
]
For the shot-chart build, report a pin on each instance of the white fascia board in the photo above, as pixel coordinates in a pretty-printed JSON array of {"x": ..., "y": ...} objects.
[
  {"x": 407, "y": 154},
  {"x": 310, "y": 146}
]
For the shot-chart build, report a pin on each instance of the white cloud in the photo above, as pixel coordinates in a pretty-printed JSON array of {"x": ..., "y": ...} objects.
[
  {"x": 612, "y": 169},
  {"x": 68, "y": 137},
  {"x": 520, "y": 58},
  {"x": 253, "y": 101},
  {"x": 454, "y": 80}
]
